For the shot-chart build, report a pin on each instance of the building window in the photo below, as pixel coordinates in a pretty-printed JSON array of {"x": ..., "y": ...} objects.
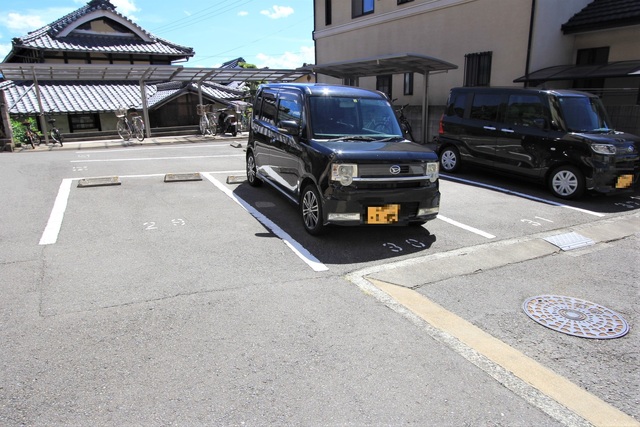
[
  {"x": 361, "y": 7},
  {"x": 350, "y": 81},
  {"x": 327, "y": 12},
  {"x": 408, "y": 83},
  {"x": 477, "y": 69},
  {"x": 383, "y": 84},
  {"x": 404, "y": 1},
  {"x": 84, "y": 122},
  {"x": 593, "y": 56}
]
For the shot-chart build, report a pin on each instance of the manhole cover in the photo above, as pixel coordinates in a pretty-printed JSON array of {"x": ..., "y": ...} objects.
[
  {"x": 576, "y": 317},
  {"x": 569, "y": 241}
]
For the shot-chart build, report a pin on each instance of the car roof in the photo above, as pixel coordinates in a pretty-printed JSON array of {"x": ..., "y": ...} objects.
[
  {"x": 557, "y": 92},
  {"x": 327, "y": 89}
]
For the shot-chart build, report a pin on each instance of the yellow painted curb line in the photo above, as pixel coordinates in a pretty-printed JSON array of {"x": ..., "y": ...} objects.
[{"x": 563, "y": 391}]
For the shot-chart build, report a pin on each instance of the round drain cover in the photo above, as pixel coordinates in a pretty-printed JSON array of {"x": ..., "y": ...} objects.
[{"x": 576, "y": 317}]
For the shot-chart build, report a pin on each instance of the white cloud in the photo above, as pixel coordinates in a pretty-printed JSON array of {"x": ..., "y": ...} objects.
[
  {"x": 277, "y": 12},
  {"x": 126, "y": 8},
  {"x": 243, "y": 13},
  {"x": 4, "y": 50},
  {"x": 22, "y": 22},
  {"x": 287, "y": 59}
]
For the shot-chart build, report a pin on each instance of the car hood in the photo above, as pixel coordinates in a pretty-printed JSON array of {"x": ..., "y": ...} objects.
[
  {"x": 375, "y": 150},
  {"x": 625, "y": 143}
]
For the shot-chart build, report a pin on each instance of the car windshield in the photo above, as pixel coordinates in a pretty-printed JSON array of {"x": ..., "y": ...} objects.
[
  {"x": 356, "y": 119},
  {"x": 583, "y": 114}
]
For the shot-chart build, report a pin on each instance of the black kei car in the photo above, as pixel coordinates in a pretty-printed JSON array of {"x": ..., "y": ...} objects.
[
  {"x": 339, "y": 153},
  {"x": 559, "y": 137}
]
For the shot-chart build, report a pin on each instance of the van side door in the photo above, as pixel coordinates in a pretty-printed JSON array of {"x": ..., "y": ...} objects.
[
  {"x": 523, "y": 142},
  {"x": 481, "y": 126},
  {"x": 286, "y": 155},
  {"x": 263, "y": 129}
]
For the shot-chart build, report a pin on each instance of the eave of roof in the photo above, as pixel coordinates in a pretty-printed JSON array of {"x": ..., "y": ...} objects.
[
  {"x": 604, "y": 14},
  {"x": 382, "y": 65},
  {"x": 573, "y": 72}
]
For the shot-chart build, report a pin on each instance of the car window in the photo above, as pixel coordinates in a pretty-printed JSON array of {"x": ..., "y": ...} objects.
[
  {"x": 485, "y": 106},
  {"x": 583, "y": 114},
  {"x": 456, "y": 105},
  {"x": 289, "y": 107},
  {"x": 335, "y": 116},
  {"x": 268, "y": 111},
  {"x": 523, "y": 110}
]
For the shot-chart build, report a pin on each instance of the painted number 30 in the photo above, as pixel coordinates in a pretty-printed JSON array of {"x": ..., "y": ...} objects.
[{"x": 411, "y": 242}]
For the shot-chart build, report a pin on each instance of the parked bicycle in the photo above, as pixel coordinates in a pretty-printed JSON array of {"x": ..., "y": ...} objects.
[
  {"x": 30, "y": 137},
  {"x": 208, "y": 119},
  {"x": 404, "y": 122},
  {"x": 129, "y": 124},
  {"x": 54, "y": 132}
]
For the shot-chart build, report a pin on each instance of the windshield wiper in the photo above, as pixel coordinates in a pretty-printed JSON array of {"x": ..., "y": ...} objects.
[
  {"x": 352, "y": 138},
  {"x": 391, "y": 139}
]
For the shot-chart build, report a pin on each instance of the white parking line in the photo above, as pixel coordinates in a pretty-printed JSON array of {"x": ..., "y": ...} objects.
[
  {"x": 466, "y": 227},
  {"x": 516, "y": 193},
  {"x": 296, "y": 247},
  {"x": 137, "y": 159},
  {"x": 51, "y": 231}
]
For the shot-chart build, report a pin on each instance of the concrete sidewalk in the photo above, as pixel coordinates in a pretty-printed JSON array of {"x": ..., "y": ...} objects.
[{"x": 119, "y": 143}]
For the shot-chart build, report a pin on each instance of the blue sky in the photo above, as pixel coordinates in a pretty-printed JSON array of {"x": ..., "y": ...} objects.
[{"x": 274, "y": 34}]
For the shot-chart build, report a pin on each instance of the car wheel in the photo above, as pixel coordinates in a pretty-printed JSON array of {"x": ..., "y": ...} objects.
[
  {"x": 311, "y": 210},
  {"x": 450, "y": 159},
  {"x": 566, "y": 182},
  {"x": 252, "y": 171}
]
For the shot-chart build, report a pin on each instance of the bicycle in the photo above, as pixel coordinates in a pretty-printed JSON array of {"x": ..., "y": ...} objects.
[
  {"x": 404, "y": 122},
  {"x": 30, "y": 137},
  {"x": 127, "y": 128},
  {"x": 208, "y": 119},
  {"x": 54, "y": 132}
]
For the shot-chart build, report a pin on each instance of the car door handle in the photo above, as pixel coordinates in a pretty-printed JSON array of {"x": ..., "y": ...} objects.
[
  {"x": 508, "y": 130},
  {"x": 488, "y": 128}
]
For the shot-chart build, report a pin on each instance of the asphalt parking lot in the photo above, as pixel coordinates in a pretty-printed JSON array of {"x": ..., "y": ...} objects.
[{"x": 203, "y": 301}]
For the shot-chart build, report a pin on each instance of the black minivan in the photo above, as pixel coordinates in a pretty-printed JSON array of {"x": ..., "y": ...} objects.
[
  {"x": 559, "y": 137},
  {"x": 339, "y": 153}
]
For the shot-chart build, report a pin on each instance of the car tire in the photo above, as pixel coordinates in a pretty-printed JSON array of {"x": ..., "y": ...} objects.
[
  {"x": 252, "y": 171},
  {"x": 449, "y": 159},
  {"x": 311, "y": 210},
  {"x": 566, "y": 182}
]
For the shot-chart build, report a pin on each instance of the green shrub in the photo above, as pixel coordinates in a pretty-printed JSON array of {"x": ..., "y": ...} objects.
[{"x": 18, "y": 129}]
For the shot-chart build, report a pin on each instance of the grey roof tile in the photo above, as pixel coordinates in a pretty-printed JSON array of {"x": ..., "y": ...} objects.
[
  {"x": 101, "y": 97},
  {"x": 48, "y": 37},
  {"x": 603, "y": 14}
]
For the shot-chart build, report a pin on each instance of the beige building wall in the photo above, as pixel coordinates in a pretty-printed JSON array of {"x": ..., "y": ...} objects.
[{"x": 448, "y": 30}]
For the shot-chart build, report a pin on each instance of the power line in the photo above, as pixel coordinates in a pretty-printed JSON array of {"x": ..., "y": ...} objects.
[
  {"x": 200, "y": 16},
  {"x": 220, "y": 54}
]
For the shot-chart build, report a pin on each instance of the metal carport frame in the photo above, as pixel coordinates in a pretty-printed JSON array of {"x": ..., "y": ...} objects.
[
  {"x": 388, "y": 64},
  {"x": 141, "y": 74}
]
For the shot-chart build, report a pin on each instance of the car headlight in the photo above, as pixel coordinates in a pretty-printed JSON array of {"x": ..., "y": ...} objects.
[
  {"x": 603, "y": 148},
  {"x": 343, "y": 173},
  {"x": 432, "y": 171}
]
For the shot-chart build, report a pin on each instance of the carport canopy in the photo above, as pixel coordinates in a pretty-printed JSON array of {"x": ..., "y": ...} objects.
[
  {"x": 141, "y": 74},
  {"x": 385, "y": 65}
]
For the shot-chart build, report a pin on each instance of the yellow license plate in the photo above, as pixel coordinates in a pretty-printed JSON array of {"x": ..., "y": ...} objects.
[
  {"x": 387, "y": 214},
  {"x": 624, "y": 181}
]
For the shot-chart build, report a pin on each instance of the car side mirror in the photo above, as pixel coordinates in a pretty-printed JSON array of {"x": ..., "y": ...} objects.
[
  {"x": 289, "y": 127},
  {"x": 541, "y": 123}
]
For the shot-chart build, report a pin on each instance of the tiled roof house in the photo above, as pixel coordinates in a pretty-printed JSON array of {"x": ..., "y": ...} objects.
[{"x": 97, "y": 34}]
